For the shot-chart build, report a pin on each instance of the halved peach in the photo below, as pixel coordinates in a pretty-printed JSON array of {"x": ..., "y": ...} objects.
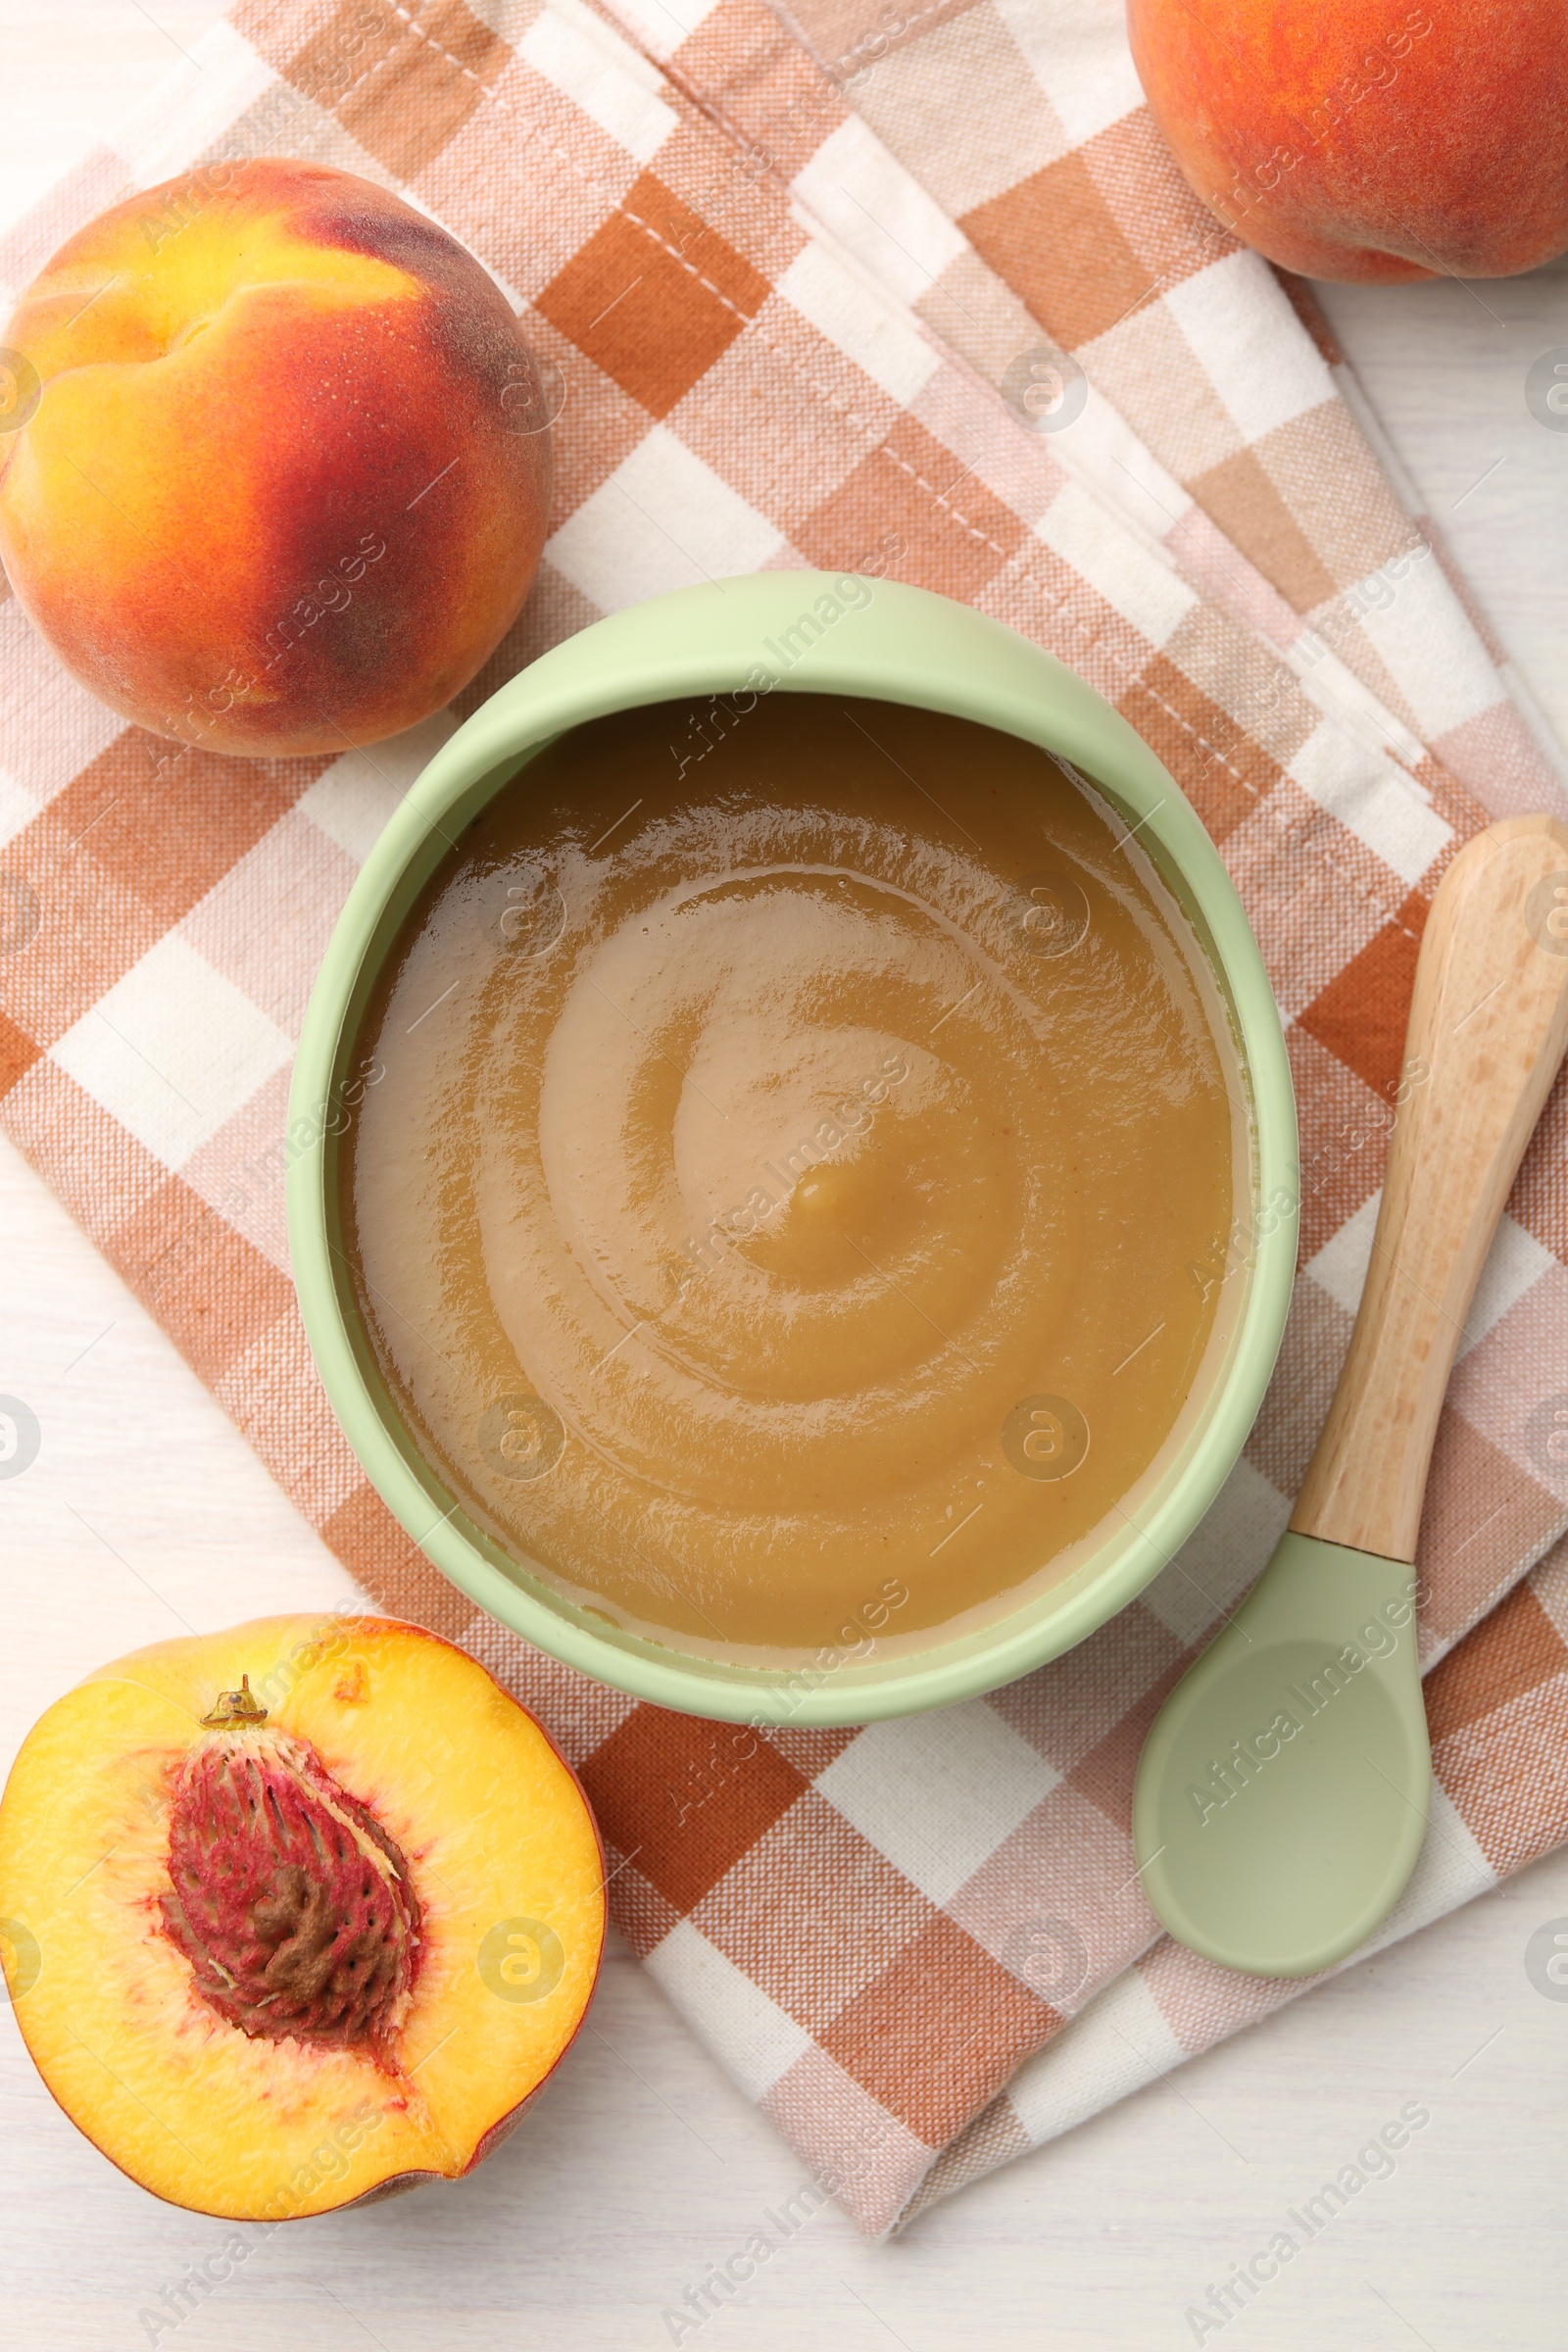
[{"x": 297, "y": 1914}]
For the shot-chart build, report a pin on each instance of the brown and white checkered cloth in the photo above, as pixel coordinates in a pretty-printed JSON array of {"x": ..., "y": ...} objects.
[{"x": 803, "y": 281}]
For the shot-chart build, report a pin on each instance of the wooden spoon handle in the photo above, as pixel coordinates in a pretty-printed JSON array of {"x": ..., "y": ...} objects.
[{"x": 1488, "y": 1020}]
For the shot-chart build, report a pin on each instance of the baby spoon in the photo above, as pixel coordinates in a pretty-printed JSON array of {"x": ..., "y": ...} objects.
[{"x": 1282, "y": 1795}]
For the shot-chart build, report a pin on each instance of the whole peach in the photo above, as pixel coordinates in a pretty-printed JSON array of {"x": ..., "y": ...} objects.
[
  {"x": 1384, "y": 143},
  {"x": 280, "y": 466}
]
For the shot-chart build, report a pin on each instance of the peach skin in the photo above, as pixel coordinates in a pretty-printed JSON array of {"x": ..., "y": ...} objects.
[
  {"x": 1380, "y": 144},
  {"x": 286, "y": 471}
]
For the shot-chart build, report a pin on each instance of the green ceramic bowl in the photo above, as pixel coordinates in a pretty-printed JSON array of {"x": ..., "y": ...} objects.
[{"x": 899, "y": 645}]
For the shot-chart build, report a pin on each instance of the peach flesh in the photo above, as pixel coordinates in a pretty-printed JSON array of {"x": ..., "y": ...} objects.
[{"x": 235, "y": 2049}]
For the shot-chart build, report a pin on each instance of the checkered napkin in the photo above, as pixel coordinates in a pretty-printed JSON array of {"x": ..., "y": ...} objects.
[{"x": 922, "y": 294}]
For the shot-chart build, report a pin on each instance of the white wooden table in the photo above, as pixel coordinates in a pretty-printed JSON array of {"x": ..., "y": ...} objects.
[{"x": 640, "y": 2168}]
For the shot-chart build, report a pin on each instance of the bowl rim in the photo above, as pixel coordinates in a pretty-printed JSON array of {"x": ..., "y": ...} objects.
[{"x": 910, "y": 646}]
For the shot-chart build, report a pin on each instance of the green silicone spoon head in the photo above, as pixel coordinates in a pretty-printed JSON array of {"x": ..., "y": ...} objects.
[{"x": 1283, "y": 1793}]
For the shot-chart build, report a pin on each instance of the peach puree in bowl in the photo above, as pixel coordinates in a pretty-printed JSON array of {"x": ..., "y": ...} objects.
[
  {"x": 790, "y": 1168},
  {"x": 787, "y": 1214}
]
